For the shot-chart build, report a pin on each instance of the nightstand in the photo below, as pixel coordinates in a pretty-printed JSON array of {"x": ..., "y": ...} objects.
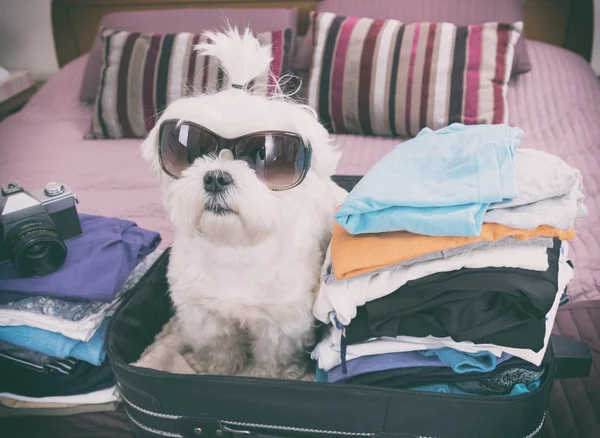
[{"x": 16, "y": 102}]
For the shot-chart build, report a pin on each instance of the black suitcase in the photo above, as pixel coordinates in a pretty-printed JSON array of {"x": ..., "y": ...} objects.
[{"x": 173, "y": 405}]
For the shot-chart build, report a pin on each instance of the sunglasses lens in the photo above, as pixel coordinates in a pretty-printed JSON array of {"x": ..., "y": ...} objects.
[
  {"x": 279, "y": 160},
  {"x": 181, "y": 144}
]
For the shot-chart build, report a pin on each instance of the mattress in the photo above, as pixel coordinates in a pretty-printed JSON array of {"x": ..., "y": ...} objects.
[{"x": 557, "y": 104}]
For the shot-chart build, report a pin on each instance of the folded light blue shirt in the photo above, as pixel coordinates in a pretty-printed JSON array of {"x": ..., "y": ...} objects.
[
  {"x": 57, "y": 345},
  {"x": 439, "y": 183},
  {"x": 461, "y": 362}
]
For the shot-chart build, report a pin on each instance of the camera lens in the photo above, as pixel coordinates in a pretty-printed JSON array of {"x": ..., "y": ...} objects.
[
  {"x": 37, "y": 251},
  {"x": 36, "y": 248}
]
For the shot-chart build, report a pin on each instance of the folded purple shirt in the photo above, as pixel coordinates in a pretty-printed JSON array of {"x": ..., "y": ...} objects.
[
  {"x": 445, "y": 357},
  {"x": 97, "y": 264}
]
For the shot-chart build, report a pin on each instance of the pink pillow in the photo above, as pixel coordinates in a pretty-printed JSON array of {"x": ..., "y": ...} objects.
[
  {"x": 383, "y": 77},
  {"x": 459, "y": 12},
  {"x": 142, "y": 73},
  {"x": 194, "y": 20}
]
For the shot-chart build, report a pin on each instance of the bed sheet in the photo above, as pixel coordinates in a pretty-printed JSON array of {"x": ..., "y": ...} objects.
[
  {"x": 45, "y": 142},
  {"x": 557, "y": 104}
]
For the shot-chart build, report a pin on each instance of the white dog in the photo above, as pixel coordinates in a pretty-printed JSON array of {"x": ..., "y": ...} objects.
[{"x": 246, "y": 258}]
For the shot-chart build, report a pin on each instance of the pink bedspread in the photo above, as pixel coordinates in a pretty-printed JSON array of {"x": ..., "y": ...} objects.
[
  {"x": 557, "y": 104},
  {"x": 45, "y": 142}
]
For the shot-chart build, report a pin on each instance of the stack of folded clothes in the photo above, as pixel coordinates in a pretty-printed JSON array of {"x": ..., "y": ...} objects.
[
  {"x": 447, "y": 265},
  {"x": 52, "y": 328}
]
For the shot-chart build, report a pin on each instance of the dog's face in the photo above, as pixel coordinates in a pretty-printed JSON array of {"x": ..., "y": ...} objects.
[{"x": 222, "y": 198}]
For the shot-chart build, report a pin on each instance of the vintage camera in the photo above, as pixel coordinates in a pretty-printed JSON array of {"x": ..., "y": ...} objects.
[{"x": 34, "y": 227}]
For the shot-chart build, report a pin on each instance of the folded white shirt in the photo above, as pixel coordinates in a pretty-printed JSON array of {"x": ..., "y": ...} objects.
[
  {"x": 82, "y": 330},
  {"x": 343, "y": 297},
  {"x": 327, "y": 352},
  {"x": 565, "y": 271},
  {"x": 92, "y": 398}
]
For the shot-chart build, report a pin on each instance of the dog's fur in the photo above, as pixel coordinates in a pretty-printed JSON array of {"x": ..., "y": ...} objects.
[{"x": 243, "y": 282}]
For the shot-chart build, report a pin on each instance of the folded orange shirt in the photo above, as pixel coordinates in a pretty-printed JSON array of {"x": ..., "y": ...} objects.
[{"x": 355, "y": 255}]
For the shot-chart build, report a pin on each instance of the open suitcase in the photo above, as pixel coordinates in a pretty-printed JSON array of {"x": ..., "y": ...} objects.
[{"x": 173, "y": 405}]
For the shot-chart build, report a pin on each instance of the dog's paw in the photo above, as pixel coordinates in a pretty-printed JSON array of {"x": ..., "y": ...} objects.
[
  {"x": 292, "y": 372},
  {"x": 260, "y": 372},
  {"x": 216, "y": 362},
  {"x": 309, "y": 377},
  {"x": 195, "y": 361}
]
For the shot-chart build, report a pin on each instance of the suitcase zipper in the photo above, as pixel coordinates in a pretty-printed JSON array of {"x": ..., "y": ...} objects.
[
  {"x": 267, "y": 426},
  {"x": 151, "y": 430}
]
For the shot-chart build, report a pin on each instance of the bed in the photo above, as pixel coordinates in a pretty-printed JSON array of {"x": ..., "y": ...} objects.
[{"x": 557, "y": 104}]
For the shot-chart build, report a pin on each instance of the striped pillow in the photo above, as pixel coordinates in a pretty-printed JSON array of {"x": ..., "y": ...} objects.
[
  {"x": 383, "y": 77},
  {"x": 143, "y": 73}
]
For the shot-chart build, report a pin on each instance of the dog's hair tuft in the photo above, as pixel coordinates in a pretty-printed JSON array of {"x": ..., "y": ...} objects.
[{"x": 240, "y": 55}]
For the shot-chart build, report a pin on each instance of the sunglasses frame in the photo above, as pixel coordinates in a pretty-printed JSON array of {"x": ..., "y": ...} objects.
[{"x": 230, "y": 144}]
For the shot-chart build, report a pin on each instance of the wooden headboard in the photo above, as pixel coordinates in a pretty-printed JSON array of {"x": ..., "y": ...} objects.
[{"x": 566, "y": 23}]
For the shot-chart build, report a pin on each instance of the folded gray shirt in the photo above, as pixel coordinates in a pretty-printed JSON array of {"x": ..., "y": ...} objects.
[{"x": 550, "y": 193}]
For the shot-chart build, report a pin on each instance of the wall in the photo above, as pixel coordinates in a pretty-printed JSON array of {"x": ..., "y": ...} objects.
[
  {"x": 596, "y": 46},
  {"x": 26, "y": 37}
]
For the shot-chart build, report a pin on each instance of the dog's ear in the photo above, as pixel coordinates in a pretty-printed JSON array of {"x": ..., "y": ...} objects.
[
  {"x": 310, "y": 110},
  {"x": 149, "y": 150},
  {"x": 240, "y": 55},
  {"x": 326, "y": 154}
]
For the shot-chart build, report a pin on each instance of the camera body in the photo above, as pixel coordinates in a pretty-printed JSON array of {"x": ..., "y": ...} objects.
[{"x": 35, "y": 225}]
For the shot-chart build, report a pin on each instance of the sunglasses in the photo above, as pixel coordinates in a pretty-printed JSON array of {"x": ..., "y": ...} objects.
[{"x": 280, "y": 159}]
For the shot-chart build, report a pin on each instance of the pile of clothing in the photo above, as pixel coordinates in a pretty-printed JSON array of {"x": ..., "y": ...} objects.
[
  {"x": 447, "y": 265},
  {"x": 52, "y": 328}
]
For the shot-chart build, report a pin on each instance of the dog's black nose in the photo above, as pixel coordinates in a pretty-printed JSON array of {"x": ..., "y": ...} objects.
[{"x": 216, "y": 181}]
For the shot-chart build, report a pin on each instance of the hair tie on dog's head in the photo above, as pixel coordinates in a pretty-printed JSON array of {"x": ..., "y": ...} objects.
[{"x": 237, "y": 86}]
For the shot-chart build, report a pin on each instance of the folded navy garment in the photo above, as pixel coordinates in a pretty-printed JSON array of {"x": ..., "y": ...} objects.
[
  {"x": 97, "y": 265},
  {"x": 25, "y": 355},
  {"x": 500, "y": 306},
  {"x": 35, "y": 360},
  {"x": 83, "y": 379}
]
